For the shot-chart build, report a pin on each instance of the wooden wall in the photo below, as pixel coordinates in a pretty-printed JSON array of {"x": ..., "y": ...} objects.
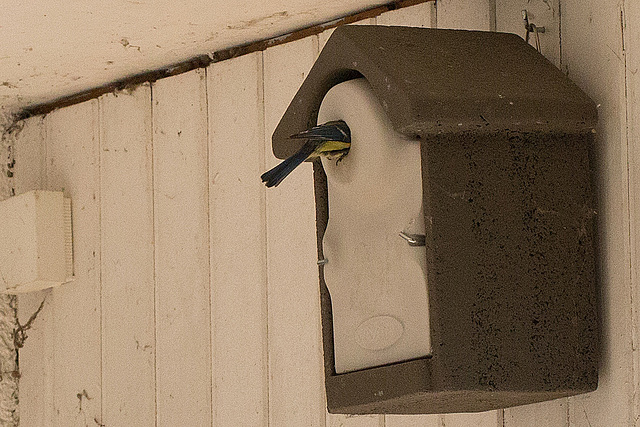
[{"x": 196, "y": 296}]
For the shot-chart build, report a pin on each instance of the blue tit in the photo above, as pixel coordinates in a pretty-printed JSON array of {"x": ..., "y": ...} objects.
[{"x": 331, "y": 140}]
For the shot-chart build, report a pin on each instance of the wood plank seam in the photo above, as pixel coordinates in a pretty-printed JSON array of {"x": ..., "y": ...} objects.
[
  {"x": 631, "y": 244},
  {"x": 50, "y": 380},
  {"x": 633, "y": 279},
  {"x": 50, "y": 384},
  {"x": 98, "y": 125},
  {"x": 208, "y": 192},
  {"x": 264, "y": 237},
  {"x": 153, "y": 238},
  {"x": 560, "y": 58},
  {"x": 97, "y": 144}
]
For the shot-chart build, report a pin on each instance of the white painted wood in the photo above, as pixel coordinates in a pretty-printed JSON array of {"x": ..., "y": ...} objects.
[
  {"x": 68, "y": 48},
  {"x": 593, "y": 55},
  {"x": 464, "y": 14},
  {"x": 296, "y": 388},
  {"x": 238, "y": 242},
  {"x": 340, "y": 420},
  {"x": 476, "y": 419},
  {"x": 554, "y": 413},
  {"x": 181, "y": 218},
  {"x": 126, "y": 203},
  {"x": 542, "y": 13},
  {"x": 72, "y": 165},
  {"x": 324, "y": 36},
  {"x": 35, "y": 358},
  {"x": 420, "y": 15},
  {"x": 632, "y": 51},
  {"x": 414, "y": 421},
  {"x": 29, "y": 155}
]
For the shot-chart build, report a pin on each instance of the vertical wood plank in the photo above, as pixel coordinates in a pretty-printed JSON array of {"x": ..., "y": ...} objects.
[
  {"x": 238, "y": 242},
  {"x": 546, "y": 414},
  {"x": 421, "y": 15},
  {"x": 414, "y": 421},
  {"x": 464, "y": 15},
  {"x": 296, "y": 389},
  {"x": 36, "y": 357},
  {"x": 593, "y": 54},
  {"x": 181, "y": 224},
  {"x": 36, "y": 361},
  {"x": 72, "y": 165},
  {"x": 632, "y": 50},
  {"x": 341, "y": 420},
  {"x": 476, "y": 419},
  {"x": 29, "y": 155},
  {"x": 126, "y": 200},
  {"x": 542, "y": 13}
]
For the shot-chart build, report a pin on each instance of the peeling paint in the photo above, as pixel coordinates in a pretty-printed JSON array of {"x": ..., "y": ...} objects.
[{"x": 9, "y": 415}]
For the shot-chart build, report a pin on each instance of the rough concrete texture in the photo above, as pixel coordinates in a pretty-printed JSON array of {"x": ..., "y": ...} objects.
[
  {"x": 9, "y": 373},
  {"x": 511, "y": 226}
]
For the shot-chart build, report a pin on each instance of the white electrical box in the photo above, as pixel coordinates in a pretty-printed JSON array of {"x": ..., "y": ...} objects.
[{"x": 36, "y": 249}]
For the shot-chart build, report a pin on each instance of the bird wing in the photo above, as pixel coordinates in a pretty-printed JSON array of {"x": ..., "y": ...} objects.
[{"x": 331, "y": 131}]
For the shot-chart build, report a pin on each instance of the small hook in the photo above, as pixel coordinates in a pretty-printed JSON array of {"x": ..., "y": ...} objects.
[
  {"x": 532, "y": 28},
  {"x": 414, "y": 239}
]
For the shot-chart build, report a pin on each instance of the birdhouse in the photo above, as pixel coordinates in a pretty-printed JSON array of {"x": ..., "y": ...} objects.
[{"x": 457, "y": 237}]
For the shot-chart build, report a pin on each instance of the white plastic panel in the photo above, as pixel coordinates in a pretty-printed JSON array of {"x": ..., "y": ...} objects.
[{"x": 377, "y": 281}]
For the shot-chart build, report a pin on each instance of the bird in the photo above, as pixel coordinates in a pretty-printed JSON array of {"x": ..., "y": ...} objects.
[{"x": 331, "y": 139}]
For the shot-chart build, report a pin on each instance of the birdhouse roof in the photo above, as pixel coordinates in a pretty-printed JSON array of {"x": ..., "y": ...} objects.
[{"x": 432, "y": 81}]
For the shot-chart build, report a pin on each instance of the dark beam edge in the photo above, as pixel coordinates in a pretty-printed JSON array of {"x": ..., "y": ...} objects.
[{"x": 205, "y": 60}]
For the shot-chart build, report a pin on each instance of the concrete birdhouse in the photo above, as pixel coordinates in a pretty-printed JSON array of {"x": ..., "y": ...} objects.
[{"x": 458, "y": 234}]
